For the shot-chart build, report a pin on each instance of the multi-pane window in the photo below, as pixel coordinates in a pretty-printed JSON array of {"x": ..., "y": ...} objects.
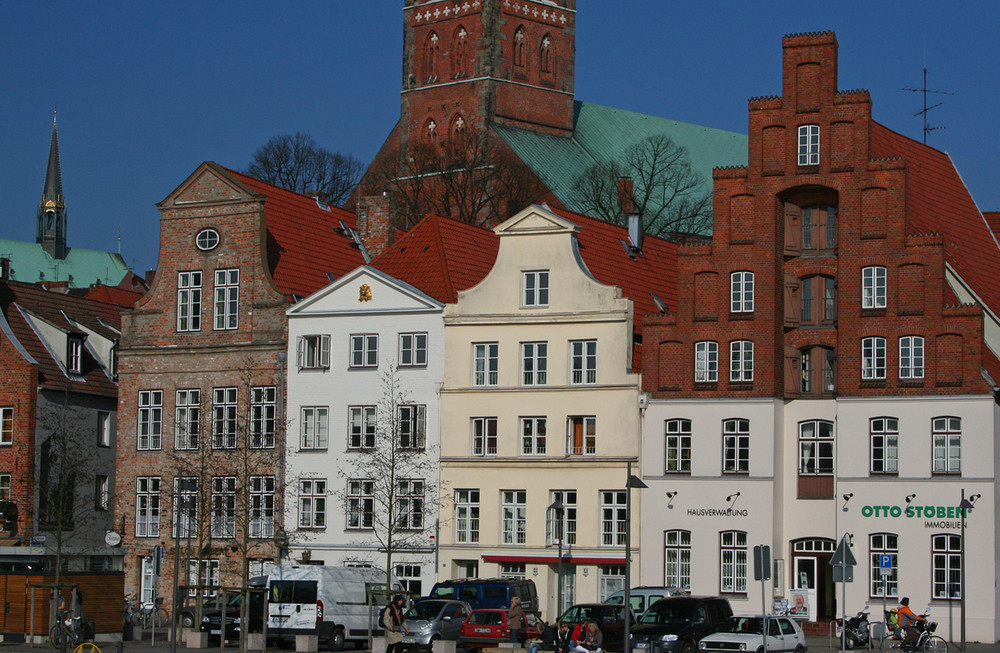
[
  {"x": 150, "y": 419},
  {"x": 312, "y": 503},
  {"x": 410, "y": 504},
  {"x": 741, "y": 361},
  {"x": 808, "y": 145},
  {"x": 612, "y": 580},
  {"x": 885, "y": 445},
  {"x": 187, "y": 419},
  {"x": 74, "y": 354},
  {"x": 706, "y": 361},
  {"x": 677, "y": 558},
  {"x": 314, "y": 427},
  {"x": 583, "y": 361},
  {"x": 412, "y": 349},
  {"x": 567, "y": 529},
  {"x": 104, "y": 423},
  {"x": 224, "y": 418},
  {"x": 736, "y": 446},
  {"x": 263, "y": 407},
  {"x": 883, "y": 544},
  {"x": 186, "y": 506},
  {"x": 412, "y": 426},
  {"x": 823, "y": 376},
  {"x": 102, "y": 492},
  {"x": 147, "y": 506},
  {"x": 815, "y": 448},
  {"x": 313, "y": 352},
  {"x": 613, "y": 509},
  {"x": 677, "y": 446},
  {"x": 261, "y": 507},
  {"x": 409, "y": 577},
  {"x": 514, "y": 509},
  {"x": 227, "y": 299},
  {"x": 581, "y": 435},
  {"x": 947, "y": 445},
  {"x": 911, "y": 357},
  {"x": 223, "y": 506},
  {"x": 873, "y": 358},
  {"x": 733, "y": 562},
  {"x": 364, "y": 350},
  {"x": 5, "y": 481},
  {"x": 741, "y": 292},
  {"x": 536, "y": 288},
  {"x": 818, "y": 300},
  {"x": 189, "y": 301},
  {"x": 484, "y": 436},
  {"x": 207, "y": 577},
  {"x": 7, "y": 425},
  {"x": 819, "y": 227},
  {"x": 873, "y": 287},
  {"x": 534, "y": 363},
  {"x": 485, "y": 363},
  {"x": 946, "y": 556},
  {"x": 532, "y": 435},
  {"x": 513, "y": 570},
  {"x": 362, "y": 427},
  {"x": 360, "y": 503},
  {"x": 466, "y": 516}
]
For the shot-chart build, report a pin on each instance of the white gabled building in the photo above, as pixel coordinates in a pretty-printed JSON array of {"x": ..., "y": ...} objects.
[{"x": 344, "y": 343}]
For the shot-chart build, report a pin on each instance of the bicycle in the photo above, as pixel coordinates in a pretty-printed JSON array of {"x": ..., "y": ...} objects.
[
  {"x": 149, "y": 613},
  {"x": 76, "y": 629},
  {"x": 927, "y": 641}
]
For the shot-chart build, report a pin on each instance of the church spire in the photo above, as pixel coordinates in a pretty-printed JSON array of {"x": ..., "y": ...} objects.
[{"x": 51, "y": 229}]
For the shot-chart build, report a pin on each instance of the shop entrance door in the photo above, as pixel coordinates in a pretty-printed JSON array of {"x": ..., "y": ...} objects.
[{"x": 811, "y": 570}]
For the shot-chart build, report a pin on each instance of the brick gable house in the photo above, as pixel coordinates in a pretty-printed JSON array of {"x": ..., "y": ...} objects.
[{"x": 828, "y": 363}]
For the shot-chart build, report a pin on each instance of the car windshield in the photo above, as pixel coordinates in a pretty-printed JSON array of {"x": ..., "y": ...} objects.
[
  {"x": 667, "y": 612},
  {"x": 747, "y": 625},
  {"x": 424, "y": 610}
]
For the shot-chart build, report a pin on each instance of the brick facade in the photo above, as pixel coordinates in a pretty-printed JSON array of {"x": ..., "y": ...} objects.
[{"x": 19, "y": 394}]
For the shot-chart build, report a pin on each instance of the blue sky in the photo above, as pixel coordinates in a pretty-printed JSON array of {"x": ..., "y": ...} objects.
[{"x": 148, "y": 90}]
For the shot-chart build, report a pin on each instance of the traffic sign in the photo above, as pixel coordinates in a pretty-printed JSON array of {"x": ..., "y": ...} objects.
[
  {"x": 762, "y": 562},
  {"x": 843, "y": 555},
  {"x": 885, "y": 564}
]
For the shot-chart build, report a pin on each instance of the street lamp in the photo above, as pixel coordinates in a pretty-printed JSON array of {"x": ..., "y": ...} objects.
[
  {"x": 557, "y": 532},
  {"x": 964, "y": 506},
  {"x": 630, "y": 482}
]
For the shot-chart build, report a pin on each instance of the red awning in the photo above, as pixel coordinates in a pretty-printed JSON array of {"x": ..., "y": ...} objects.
[{"x": 552, "y": 559}]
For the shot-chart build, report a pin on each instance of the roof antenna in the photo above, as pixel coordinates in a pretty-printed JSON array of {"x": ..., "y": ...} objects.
[{"x": 923, "y": 112}]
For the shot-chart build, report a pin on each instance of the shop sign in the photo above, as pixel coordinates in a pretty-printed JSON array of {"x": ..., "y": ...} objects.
[
  {"x": 717, "y": 512},
  {"x": 920, "y": 512}
]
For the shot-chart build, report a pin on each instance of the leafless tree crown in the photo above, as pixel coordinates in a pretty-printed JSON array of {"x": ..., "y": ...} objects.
[{"x": 299, "y": 164}]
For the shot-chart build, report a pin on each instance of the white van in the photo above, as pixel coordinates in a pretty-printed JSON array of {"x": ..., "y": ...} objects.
[{"x": 330, "y": 602}]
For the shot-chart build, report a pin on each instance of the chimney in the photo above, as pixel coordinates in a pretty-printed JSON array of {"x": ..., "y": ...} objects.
[
  {"x": 627, "y": 206},
  {"x": 375, "y": 223}
]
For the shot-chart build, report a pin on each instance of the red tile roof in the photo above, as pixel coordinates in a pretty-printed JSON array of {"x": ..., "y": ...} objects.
[
  {"x": 304, "y": 241},
  {"x": 993, "y": 219},
  {"x": 938, "y": 201},
  {"x": 113, "y": 295}
]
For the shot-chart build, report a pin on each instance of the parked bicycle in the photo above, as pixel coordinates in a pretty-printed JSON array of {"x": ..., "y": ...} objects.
[
  {"x": 146, "y": 614},
  {"x": 76, "y": 630}
]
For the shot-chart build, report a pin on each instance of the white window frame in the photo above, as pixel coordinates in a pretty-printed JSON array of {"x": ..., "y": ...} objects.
[
  {"x": 7, "y": 425},
  {"x": 187, "y": 419},
  {"x": 223, "y": 507},
  {"x": 736, "y": 445},
  {"x": 410, "y": 504},
  {"x": 413, "y": 349},
  {"x": 808, "y": 145},
  {"x": 102, "y": 492},
  {"x": 733, "y": 562},
  {"x": 227, "y": 299},
  {"x": 149, "y": 423},
  {"x": 412, "y": 426},
  {"x": 677, "y": 558},
  {"x": 880, "y": 544},
  {"x": 314, "y": 427},
  {"x": 224, "y": 417},
  {"x": 911, "y": 357},
  {"x": 873, "y": 358},
  {"x": 741, "y": 361},
  {"x": 262, "y": 489},
  {"x": 189, "y": 301},
  {"x": 484, "y": 436},
  {"x": 873, "y": 287},
  {"x": 103, "y": 428},
  {"x": 207, "y": 576},
  {"x": 612, "y": 579},
  {"x": 534, "y": 363},
  {"x": 312, "y": 503},
  {"x": 568, "y": 498},
  {"x": 263, "y": 416},
  {"x": 583, "y": 362},
  {"x": 946, "y": 444},
  {"x": 364, "y": 351},
  {"x": 677, "y": 446},
  {"x": 485, "y": 363},
  {"x": 362, "y": 427},
  {"x": 185, "y": 504},
  {"x": 706, "y": 361},
  {"x": 816, "y": 448},
  {"x": 741, "y": 290},
  {"x": 513, "y": 570},
  {"x": 884, "y": 433},
  {"x": 5, "y": 487},
  {"x": 147, "y": 506},
  {"x": 513, "y": 517},
  {"x": 74, "y": 354},
  {"x": 946, "y": 565},
  {"x": 467, "y": 516},
  {"x": 360, "y": 504},
  {"x": 613, "y": 508},
  {"x": 588, "y": 439},
  {"x": 535, "y": 288},
  {"x": 313, "y": 352},
  {"x": 533, "y": 434}
]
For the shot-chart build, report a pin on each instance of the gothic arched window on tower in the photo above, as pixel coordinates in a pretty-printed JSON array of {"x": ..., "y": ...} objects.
[
  {"x": 457, "y": 129},
  {"x": 460, "y": 54},
  {"x": 430, "y": 134},
  {"x": 431, "y": 52},
  {"x": 519, "y": 63},
  {"x": 545, "y": 55}
]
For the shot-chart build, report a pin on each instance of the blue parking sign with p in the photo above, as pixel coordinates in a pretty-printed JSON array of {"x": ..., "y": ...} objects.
[{"x": 885, "y": 561}]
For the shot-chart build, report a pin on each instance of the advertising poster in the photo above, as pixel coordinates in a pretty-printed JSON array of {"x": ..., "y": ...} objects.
[{"x": 802, "y": 603}]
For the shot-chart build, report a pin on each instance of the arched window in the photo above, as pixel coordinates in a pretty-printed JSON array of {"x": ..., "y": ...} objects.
[
  {"x": 430, "y": 132},
  {"x": 430, "y": 63},
  {"x": 677, "y": 447},
  {"x": 818, "y": 300},
  {"x": 460, "y": 54},
  {"x": 545, "y": 54},
  {"x": 458, "y": 128},
  {"x": 947, "y": 445},
  {"x": 883, "y": 544},
  {"x": 519, "y": 38},
  {"x": 947, "y": 561},
  {"x": 677, "y": 559},
  {"x": 733, "y": 562},
  {"x": 818, "y": 371},
  {"x": 884, "y": 435}
]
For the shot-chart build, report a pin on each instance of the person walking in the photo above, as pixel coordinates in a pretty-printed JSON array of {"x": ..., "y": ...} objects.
[
  {"x": 394, "y": 624},
  {"x": 515, "y": 619}
]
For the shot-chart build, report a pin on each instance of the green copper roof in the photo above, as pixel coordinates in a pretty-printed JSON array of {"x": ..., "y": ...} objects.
[
  {"x": 603, "y": 132},
  {"x": 81, "y": 267}
]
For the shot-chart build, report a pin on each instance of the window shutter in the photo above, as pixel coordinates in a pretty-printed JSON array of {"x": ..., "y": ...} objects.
[
  {"x": 300, "y": 345},
  {"x": 324, "y": 351},
  {"x": 793, "y": 301},
  {"x": 793, "y": 229},
  {"x": 793, "y": 366}
]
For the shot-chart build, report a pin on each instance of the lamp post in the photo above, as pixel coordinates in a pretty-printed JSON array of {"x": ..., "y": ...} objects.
[
  {"x": 963, "y": 507},
  {"x": 630, "y": 482},
  {"x": 557, "y": 532}
]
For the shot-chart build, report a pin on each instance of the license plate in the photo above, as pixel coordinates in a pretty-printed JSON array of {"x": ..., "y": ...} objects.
[
  {"x": 280, "y": 617},
  {"x": 481, "y": 630},
  {"x": 409, "y": 640},
  {"x": 215, "y": 632},
  {"x": 641, "y": 646}
]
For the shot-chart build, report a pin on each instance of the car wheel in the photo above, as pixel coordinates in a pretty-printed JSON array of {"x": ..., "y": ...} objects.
[
  {"x": 336, "y": 641},
  {"x": 760, "y": 650},
  {"x": 688, "y": 647},
  {"x": 800, "y": 649},
  {"x": 187, "y": 620}
]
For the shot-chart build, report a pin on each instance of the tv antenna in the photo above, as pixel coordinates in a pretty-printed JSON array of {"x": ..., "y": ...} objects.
[{"x": 923, "y": 112}]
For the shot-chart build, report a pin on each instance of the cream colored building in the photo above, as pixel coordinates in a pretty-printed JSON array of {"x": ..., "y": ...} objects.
[{"x": 539, "y": 402}]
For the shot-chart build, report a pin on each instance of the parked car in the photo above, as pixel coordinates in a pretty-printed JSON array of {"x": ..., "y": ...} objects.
[
  {"x": 211, "y": 619},
  {"x": 434, "y": 619},
  {"x": 488, "y": 628},
  {"x": 746, "y": 634},
  {"x": 488, "y": 592},
  {"x": 645, "y": 596},
  {"x": 610, "y": 618},
  {"x": 678, "y": 623}
]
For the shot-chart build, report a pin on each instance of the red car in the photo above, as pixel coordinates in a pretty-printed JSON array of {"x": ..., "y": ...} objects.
[{"x": 487, "y": 628}]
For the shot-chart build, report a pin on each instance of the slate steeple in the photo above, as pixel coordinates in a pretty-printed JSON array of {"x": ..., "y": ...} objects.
[{"x": 51, "y": 229}]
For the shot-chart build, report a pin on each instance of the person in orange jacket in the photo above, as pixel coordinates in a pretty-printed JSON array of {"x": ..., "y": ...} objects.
[{"x": 907, "y": 621}]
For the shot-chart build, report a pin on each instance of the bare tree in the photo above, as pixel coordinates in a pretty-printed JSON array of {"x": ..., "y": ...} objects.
[
  {"x": 671, "y": 196},
  {"x": 387, "y": 484},
  {"x": 299, "y": 164}
]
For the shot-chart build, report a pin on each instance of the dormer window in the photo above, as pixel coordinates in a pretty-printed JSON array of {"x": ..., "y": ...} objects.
[{"x": 74, "y": 353}]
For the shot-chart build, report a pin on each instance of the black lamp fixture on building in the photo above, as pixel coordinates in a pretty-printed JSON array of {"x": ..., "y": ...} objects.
[
  {"x": 670, "y": 499},
  {"x": 847, "y": 497}
]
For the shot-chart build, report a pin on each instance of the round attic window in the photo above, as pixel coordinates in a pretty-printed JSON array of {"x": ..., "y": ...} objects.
[{"x": 207, "y": 239}]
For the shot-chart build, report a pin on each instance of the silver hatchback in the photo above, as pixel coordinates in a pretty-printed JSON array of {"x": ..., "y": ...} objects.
[{"x": 433, "y": 619}]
